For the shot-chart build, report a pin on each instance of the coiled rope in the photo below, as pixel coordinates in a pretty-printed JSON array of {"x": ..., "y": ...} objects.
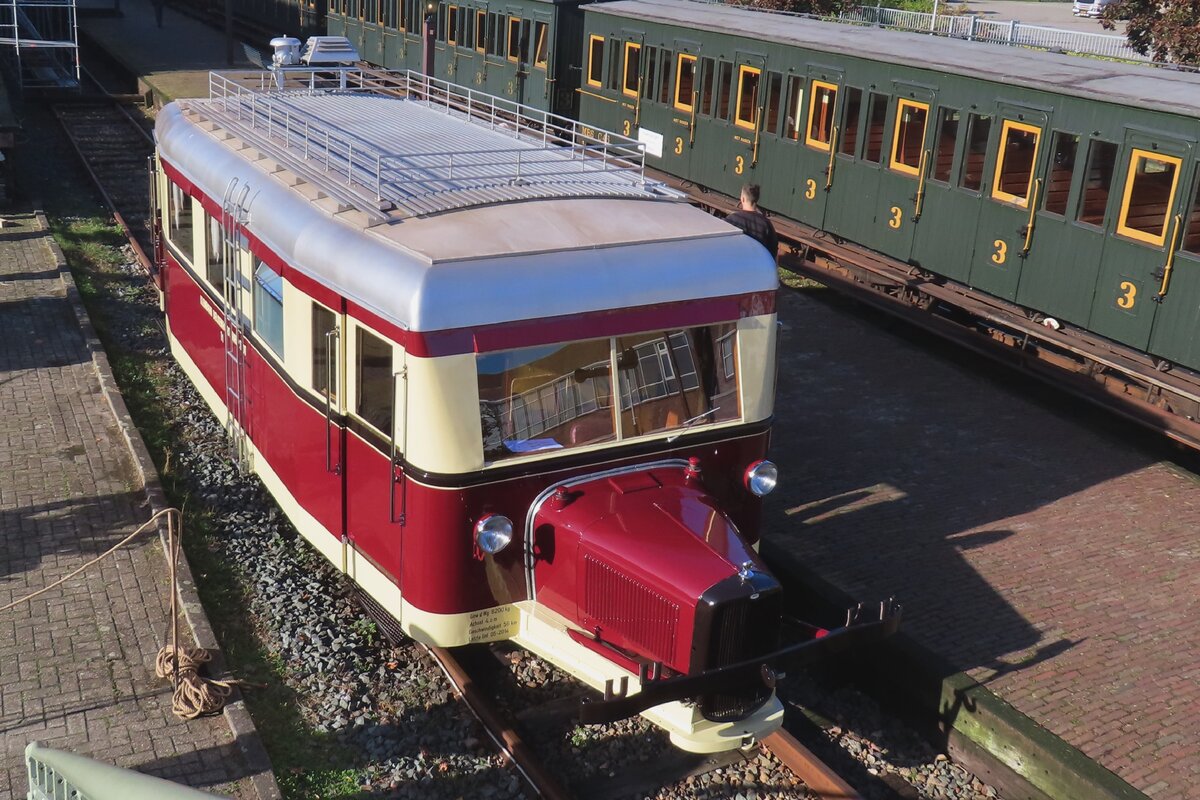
[{"x": 193, "y": 695}]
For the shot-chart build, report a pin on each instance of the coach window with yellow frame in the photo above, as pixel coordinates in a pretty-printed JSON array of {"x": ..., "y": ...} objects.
[
  {"x": 685, "y": 82},
  {"x": 1148, "y": 197},
  {"x": 541, "y": 52},
  {"x": 1015, "y": 162},
  {"x": 909, "y": 136},
  {"x": 821, "y": 106},
  {"x": 633, "y": 69},
  {"x": 746, "y": 114},
  {"x": 595, "y": 73}
]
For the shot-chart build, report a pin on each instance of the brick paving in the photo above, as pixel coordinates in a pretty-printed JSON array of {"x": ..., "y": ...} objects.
[
  {"x": 1042, "y": 547},
  {"x": 77, "y": 663}
]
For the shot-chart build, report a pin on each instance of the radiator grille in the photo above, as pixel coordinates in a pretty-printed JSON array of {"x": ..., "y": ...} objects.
[
  {"x": 629, "y": 610},
  {"x": 741, "y": 630}
]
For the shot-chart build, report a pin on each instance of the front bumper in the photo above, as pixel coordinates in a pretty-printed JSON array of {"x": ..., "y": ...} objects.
[{"x": 858, "y": 631}]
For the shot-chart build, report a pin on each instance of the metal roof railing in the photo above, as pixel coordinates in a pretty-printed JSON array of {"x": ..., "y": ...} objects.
[
  {"x": 370, "y": 169},
  {"x": 1012, "y": 32}
]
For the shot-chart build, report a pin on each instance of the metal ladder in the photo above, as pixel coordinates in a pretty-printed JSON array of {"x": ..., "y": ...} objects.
[{"x": 234, "y": 215}]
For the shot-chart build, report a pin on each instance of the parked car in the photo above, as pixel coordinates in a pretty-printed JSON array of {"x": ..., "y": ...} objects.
[{"x": 1090, "y": 8}]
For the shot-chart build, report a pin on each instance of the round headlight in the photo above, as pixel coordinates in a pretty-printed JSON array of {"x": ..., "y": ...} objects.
[
  {"x": 493, "y": 532},
  {"x": 761, "y": 478}
]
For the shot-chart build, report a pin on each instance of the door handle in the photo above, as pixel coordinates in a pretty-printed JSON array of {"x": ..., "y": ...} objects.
[
  {"x": 923, "y": 173},
  {"x": 1170, "y": 265},
  {"x": 692, "y": 124},
  {"x": 395, "y": 470},
  {"x": 1033, "y": 201},
  {"x": 833, "y": 145}
]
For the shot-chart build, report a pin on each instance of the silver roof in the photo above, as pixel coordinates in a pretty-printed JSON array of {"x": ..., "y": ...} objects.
[
  {"x": 485, "y": 264},
  {"x": 1111, "y": 81}
]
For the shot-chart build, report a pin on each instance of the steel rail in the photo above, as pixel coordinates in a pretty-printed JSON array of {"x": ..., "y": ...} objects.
[
  {"x": 822, "y": 782},
  {"x": 502, "y": 733}
]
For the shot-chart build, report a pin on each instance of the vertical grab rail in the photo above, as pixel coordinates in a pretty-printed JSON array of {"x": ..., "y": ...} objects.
[
  {"x": 395, "y": 471},
  {"x": 1033, "y": 201},
  {"x": 330, "y": 376},
  {"x": 1165, "y": 272}
]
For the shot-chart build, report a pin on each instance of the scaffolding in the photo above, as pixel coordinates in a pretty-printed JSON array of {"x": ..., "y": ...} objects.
[{"x": 41, "y": 39}]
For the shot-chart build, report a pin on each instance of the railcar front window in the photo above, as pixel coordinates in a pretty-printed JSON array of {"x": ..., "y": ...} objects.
[
  {"x": 179, "y": 220},
  {"x": 557, "y": 397},
  {"x": 1149, "y": 189},
  {"x": 545, "y": 398},
  {"x": 1015, "y": 162}
]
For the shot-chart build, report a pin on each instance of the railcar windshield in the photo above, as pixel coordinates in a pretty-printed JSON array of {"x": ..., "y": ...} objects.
[{"x": 561, "y": 396}]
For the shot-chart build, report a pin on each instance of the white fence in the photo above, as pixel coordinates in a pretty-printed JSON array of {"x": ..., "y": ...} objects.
[{"x": 968, "y": 26}]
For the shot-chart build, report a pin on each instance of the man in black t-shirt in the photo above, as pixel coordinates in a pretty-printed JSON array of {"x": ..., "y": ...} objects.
[{"x": 753, "y": 222}]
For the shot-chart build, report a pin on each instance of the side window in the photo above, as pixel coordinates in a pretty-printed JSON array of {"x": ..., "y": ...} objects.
[
  {"x": 1191, "y": 239},
  {"x": 911, "y": 119},
  {"x": 514, "y": 39},
  {"x": 793, "y": 123},
  {"x": 373, "y": 375},
  {"x": 179, "y": 219},
  {"x": 214, "y": 263},
  {"x": 268, "y": 307},
  {"x": 947, "y": 136},
  {"x": 595, "y": 76},
  {"x": 876, "y": 119},
  {"x": 541, "y": 53},
  {"x": 480, "y": 31},
  {"x": 614, "y": 65},
  {"x": 633, "y": 68},
  {"x": 708, "y": 70},
  {"x": 1062, "y": 167},
  {"x": 979, "y": 126},
  {"x": 1146, "y": 204},
  {"x": 1102, "y": 158},
  {"x": 664, "y": 78},
  {"x": 724, "y": 82},
  {"x": 774, "y": 96},
  {"x": 452, "y": 25},
  {"x": 1015, "y": 162},
  {"x": 850, "y": 115},
  {"x": 747, "y": 96},
  {"x": 685, "y": 82},
  {"x": 648, "y": 84},
  {"x": 822, "y": 104},
  {"x": 324, "y": 351}
]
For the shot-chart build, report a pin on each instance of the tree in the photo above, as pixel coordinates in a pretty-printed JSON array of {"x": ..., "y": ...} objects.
[{"x": 1166, "y": 30}]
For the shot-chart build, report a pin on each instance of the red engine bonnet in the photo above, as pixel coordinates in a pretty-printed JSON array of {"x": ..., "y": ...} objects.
[{"x": 628, "y": 556}]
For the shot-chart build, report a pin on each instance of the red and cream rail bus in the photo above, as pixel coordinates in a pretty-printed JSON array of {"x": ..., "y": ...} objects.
[{"x": 510, "y": 386}]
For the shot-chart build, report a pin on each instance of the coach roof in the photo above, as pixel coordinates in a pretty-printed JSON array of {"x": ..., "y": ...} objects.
[
  {"x": 1115, "y": 82},
  {"x": 501, "y": 262}
]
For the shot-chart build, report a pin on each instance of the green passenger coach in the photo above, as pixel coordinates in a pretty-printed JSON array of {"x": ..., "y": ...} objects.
[
  {"x": 509, "y": 49},
  {"x": 1068, "y": 186}
]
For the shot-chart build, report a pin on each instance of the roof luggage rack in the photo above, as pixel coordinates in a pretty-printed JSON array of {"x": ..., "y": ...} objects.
[{"x": 424, "y": 162}]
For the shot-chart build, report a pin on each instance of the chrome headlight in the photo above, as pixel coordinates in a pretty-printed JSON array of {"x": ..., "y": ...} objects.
[
  {"x": 493, "y": 532},
  {"x": 761, "y": 478}
]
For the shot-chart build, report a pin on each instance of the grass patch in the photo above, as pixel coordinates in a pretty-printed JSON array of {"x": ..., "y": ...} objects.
[{"x": 794, "y": 280}]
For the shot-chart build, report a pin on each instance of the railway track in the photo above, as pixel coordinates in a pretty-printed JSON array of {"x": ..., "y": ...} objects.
[{"x": 114, "y": 147}]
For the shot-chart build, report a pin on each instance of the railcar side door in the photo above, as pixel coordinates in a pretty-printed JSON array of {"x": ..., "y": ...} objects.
[
  {"x": 1144, "y": 230},
  {"x": 1178, "y": 316},
  {"x": 1009, "y": 199},
  {"x": 902, "y": 179},
  {"x": 1062, "y": 250},
  {"x": 318, "y": 435},
  {"x": 375, "y": 426}
]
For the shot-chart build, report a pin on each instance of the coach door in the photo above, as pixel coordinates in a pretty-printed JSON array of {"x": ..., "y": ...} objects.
[
  {"x": 743, "y": 153},
  {"x": 850, "y": 201},
  {"x": 375, "y": 446},
  {"x": 319, "y": 437},
  {"x": 950, "y": 204},
  {"x": 814, "y": 127},
  {"x": 1062, "y": 245},
  {"x": 1144, "y": 233},
  {"x": 1178, "y": 314},
  {"x": 899, "y": 201},
  {"x": 1011, "y": 194},
  {"x": 673, "y": 80}
]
